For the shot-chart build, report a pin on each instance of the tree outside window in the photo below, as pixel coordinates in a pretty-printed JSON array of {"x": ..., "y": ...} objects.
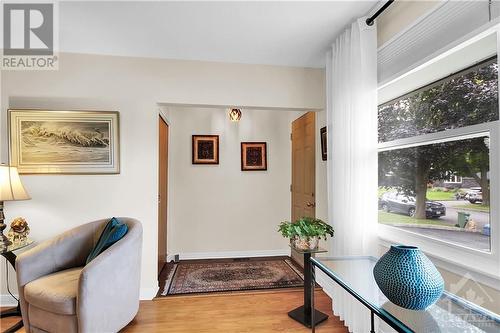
[{"x": 467, "y": 98}]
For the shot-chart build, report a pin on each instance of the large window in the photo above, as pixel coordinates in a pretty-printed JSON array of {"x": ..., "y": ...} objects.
[
  {"x": 434, "y": 158},
  {"x": 467, "y": 98}
]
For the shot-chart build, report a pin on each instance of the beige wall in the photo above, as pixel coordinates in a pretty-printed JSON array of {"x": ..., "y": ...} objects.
[
  {"x": 247, "y": 206},
  {"x": 399, "y": 16},
  {"x": 219, "y": 208},
  {"x": 133, "y": 86}
]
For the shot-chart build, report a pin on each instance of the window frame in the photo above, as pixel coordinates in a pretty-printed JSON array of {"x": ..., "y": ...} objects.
[{"x": 485, "y": 263}]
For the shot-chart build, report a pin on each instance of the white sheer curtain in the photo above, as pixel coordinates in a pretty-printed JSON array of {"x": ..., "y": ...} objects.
[{"x": 352, "y": 162}]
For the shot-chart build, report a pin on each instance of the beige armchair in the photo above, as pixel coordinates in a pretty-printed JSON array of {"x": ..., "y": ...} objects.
[{"x": 59, "y": 293}]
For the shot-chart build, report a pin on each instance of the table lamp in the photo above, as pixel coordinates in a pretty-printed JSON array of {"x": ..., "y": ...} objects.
[{"x": 11, "y": 189}]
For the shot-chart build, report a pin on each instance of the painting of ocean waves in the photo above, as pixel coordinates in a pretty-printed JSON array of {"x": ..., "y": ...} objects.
[{"x": 65, "y": 142}]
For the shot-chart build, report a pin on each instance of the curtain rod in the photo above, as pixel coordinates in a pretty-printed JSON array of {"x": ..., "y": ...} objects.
[{"x": 371, "y": 19}]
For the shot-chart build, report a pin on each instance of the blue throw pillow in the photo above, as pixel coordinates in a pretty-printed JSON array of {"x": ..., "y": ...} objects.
[{"x": 112, "y": 233}]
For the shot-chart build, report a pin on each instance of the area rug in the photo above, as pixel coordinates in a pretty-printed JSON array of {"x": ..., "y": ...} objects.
[{"x": 189, "y": 278}]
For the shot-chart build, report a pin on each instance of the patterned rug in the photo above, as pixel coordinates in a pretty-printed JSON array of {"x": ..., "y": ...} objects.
[{"x": 188, "y": 278}]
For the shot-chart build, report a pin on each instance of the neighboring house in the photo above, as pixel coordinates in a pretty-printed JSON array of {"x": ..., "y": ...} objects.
[{"x": 456, "y": 182}]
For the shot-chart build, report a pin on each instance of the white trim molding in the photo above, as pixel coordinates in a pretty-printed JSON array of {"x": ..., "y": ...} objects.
[
  {"x": 147, "y": 294},
  {"x": 229, "y": 254},
  {"x": 7, "y": 300}
]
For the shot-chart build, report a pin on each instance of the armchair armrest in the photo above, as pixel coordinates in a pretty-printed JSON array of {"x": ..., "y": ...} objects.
[
  {"x": 67, "y": 250},
  {"x": 109, "y": 286}
]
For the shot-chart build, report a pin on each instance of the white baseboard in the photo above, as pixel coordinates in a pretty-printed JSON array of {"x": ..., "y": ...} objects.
[
  {"x": 147, "y": 294},
  {"x": 7, "y": 300},
  {"x": 229, "y": 254}
]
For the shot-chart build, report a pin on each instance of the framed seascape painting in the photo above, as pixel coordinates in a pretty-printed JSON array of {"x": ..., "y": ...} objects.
[
  {"x": 205, "y": 149},
  {"x": 64, "y": 142},
  {"x": 253, "y": 156}
]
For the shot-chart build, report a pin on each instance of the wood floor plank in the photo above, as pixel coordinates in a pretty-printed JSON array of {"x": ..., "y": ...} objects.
[
  {"x": 7, "y": 322},
  {"x": 259, "y": 312},
  {"x": 246, "y": 312}
]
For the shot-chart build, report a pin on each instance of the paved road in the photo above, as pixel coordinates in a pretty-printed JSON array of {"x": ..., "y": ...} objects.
[
  {"x": 473, "y": 240},
  {"x": 451, "y": 218}
]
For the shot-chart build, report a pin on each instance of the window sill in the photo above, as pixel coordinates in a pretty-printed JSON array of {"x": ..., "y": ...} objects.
[{"x": 483, "y": 267}]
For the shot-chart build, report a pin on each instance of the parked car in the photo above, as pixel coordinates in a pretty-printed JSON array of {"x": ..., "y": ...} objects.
[
  {"x": 401, "y": 203},
  {"x": 474, "y": 197},
  {"x": 471, "y": 193}
]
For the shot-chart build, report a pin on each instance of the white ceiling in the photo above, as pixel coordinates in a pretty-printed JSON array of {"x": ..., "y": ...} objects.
[{"x": 274, "y": 33}]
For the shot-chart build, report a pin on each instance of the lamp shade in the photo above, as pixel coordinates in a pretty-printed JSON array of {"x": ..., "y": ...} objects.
[{"x": 11, "y": 188}]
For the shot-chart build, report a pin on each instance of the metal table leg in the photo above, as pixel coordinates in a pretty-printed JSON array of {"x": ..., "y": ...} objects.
[
  {"x": 313, "y": 284},
  {"x": 302, "y": 314},
  {"x": 16, "y": 311}
]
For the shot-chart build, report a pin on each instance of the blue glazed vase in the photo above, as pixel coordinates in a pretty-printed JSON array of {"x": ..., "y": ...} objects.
[{"x": 408, "y": 278}]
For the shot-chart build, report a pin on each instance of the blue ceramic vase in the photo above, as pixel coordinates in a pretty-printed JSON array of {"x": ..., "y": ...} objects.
[{"x": 408, "y": 278}]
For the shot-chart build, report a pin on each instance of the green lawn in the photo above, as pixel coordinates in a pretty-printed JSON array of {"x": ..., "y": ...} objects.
[
  {"x": 391, "y": 218},
  {"x": 440, "y": 195},
  {"x": 432, "y": 194},
  {"x": 476, "y": 207}
]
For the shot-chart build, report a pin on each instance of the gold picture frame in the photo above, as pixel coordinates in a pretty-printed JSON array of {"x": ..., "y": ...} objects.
[
  {"x": 253, "y": 156},
  {"x": 64, "y": 142},
  {"x": 205, "y": 149}
]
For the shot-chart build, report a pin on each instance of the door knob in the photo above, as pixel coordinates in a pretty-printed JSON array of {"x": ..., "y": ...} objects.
[{"x": 310, "y": 204}]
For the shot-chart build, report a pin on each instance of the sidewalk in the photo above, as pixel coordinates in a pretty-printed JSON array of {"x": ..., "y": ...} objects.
[{"x": 474, "y": 240}]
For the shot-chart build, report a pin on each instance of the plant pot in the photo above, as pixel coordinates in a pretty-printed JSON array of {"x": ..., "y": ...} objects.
[
  {"x": 306, "y": 243},
  {"x": 408, "y": 278}
]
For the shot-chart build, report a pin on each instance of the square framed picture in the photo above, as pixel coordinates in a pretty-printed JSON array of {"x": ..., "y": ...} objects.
[
  {"x": 205, "y": 149},
  {"x": 253, "y": 156},
  {"x": 323, "y": 137},
  {"x": 64, "y": 142}
]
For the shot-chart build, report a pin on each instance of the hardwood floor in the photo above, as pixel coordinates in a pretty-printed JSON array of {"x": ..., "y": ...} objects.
[
  {"x": 256, "y": 312},
  {"x": 245, "y": 312},
  {"x": 7, "y": 322}
]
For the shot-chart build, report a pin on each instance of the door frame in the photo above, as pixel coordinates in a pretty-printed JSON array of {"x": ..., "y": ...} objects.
[
  {"x": 163, "y": 115},
  {"x": 297, "y": 257},
  {"x": 315, "y": 125}
]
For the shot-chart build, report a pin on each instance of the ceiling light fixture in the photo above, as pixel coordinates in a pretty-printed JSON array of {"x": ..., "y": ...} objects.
[{"x": 235, "y": 115}]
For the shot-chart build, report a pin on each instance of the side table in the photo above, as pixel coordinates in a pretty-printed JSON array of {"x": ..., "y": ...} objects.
[
  {"x": 302, "y": 314},
  {"x": 10, "y": 256}
]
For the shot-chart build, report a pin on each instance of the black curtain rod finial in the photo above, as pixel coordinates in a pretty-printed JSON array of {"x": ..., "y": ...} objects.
[{"x": 370, "y": 20}]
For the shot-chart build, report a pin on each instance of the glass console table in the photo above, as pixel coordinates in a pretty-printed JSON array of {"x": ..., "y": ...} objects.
[{"x": 449, "y": 314}]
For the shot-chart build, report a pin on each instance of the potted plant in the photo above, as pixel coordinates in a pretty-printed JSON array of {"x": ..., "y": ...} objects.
[{"x": 304, "y": 234}]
